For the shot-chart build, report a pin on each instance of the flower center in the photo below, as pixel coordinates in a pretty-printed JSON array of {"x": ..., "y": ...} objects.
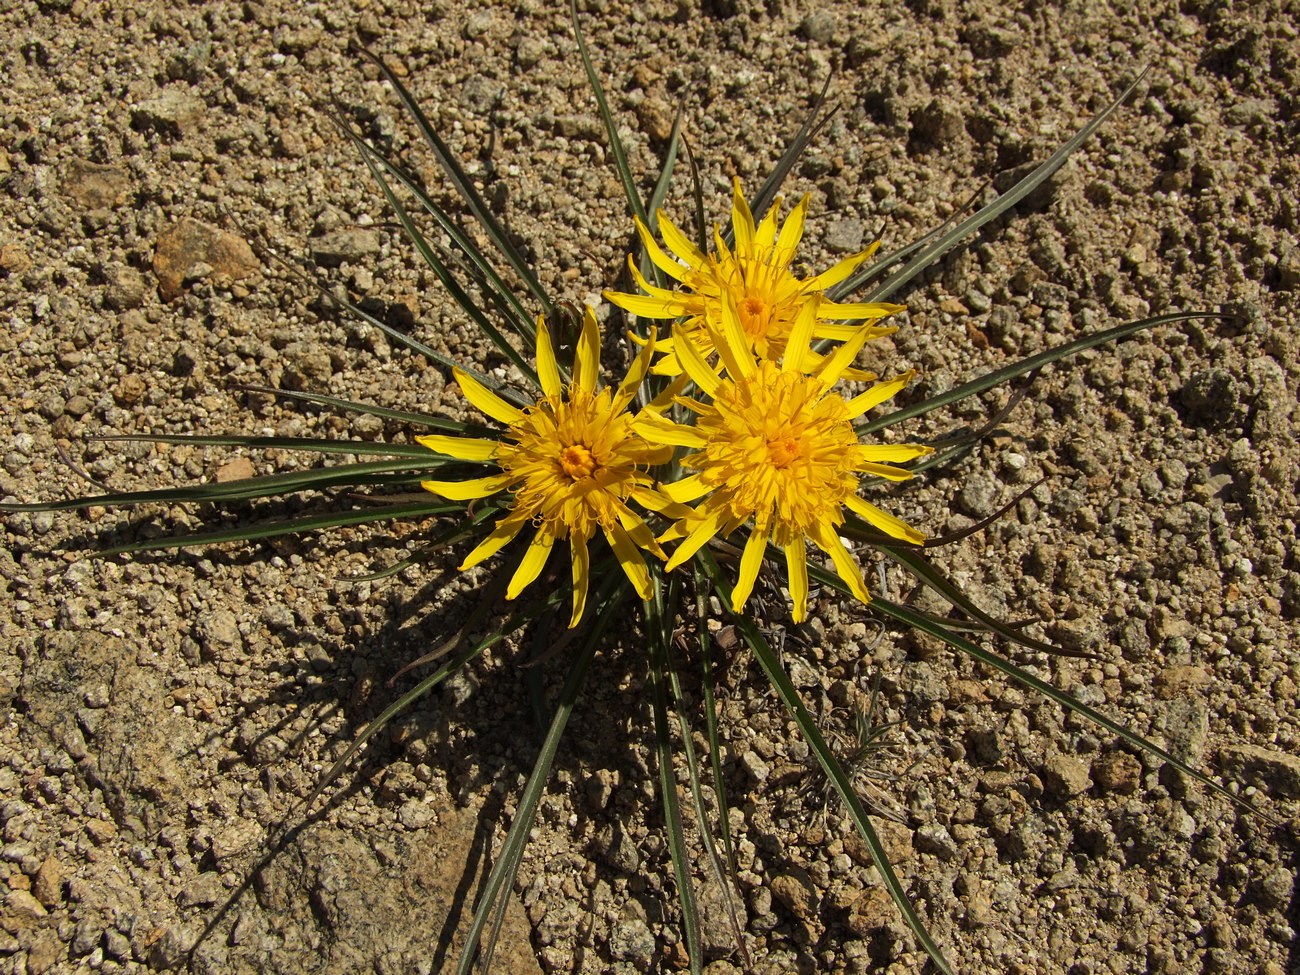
[
  {"x": 577, "y": 461},
  {"x": 783, "y": 451},
  {"x": 754, "y": 315}
]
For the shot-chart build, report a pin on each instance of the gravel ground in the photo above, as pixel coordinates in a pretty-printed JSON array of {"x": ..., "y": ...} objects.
[{"x": 164, "y": 714}]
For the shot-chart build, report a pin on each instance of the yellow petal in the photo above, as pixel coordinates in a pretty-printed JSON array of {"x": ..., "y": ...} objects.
[
  {"x": 531, "y": 566},
  {"x": 830, "y": 543},
  {"x": 478, "y": 487},
  {"x": 587, "y": 356},
  {"x": 887, "y": 523},
  {"x": 693, "y": 362},
  {"x": 687, "y": 489},
  {"x": 643, "y": 306},
  {"x": 699, "y": 536},
  {"x": 795, "y": 356},
  {"x": 657, "y": 256},
  {"x": 681, "y": 244},
  {"x": 548, "y": 373},
  {"x": 637, "y": 530},
  {"x": 742, "y": 221},
  {"x": 828, "y": 330},
  {"x": 462, "y": 448},
  {"x": 660, "y": 431},
  {"x": 659, "y": 502},
  {"x": 629, "y": 556},
  {"x": 833, "y": 276},
  {"x": 487, "y": 401},
  {"x": 893, "y": 453},
  {"x": 581, "y": 574},
  {"x": 877, "y": 394},
  {"x": 650, "y": 289},
  {"x": 750, "y": 562},
  {"x": 765, "y": 235},
  {"x": 791, "y": 233},
  {"x": 502, "y": 534},
  {"x": 885, "y": 471},
  {"x": 832, "y": 368},
  {"x": 670, "y": 393},
  {"x": 732, "y": 343},
  {"x": 796, "y": 564},
  {"x": 860, "y": 309},
  {"x": 635, "y": 375}
]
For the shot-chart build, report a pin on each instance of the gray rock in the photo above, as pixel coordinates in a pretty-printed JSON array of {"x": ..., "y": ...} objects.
[
  {"x": 173, "y": 112},
  {"x": 845, "y": 236},
  {"x": 94, "y": 186},
  {"x": 480, "y": 94},
  {"x": 632, "y": 941},
  {"x": 219, "y": 631},
  {"x": 344, "y": 246},
  {"x": 1210, "y": 397},
  {"x": 818, "y": 26},
  {"x": 126, "y": 288},
  {"x": 1276, "y": 772},
  {"x": 935, "y": 839},
  {"x": 204, "y": 889}
]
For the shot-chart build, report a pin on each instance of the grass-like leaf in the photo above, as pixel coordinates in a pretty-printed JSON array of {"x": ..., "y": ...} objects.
[
  {"x": 500, "y": 881},
  {"x": 1029, "y": 364},
  {"x": 269, "y": 485},
  {"x": 316, "y": 445},
  {"x": 927, "y": 256},
  {"x": 444, "y": 275},
  {"x": 785, "y": 690},
  {"x": 927, "y": 624},
  {"x": 292, "y": 526},
  {"x": 607, "y": 117},
  {"x": 472, "y": 260},
  {"x": 464, "y": 186},
  {"x": 766, "y": 194},
  {"x": 658, "y": 627},
  {"x": 427, "y": 420}
]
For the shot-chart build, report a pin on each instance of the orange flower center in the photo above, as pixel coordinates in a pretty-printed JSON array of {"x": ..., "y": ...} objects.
[
  {"x": 754, "y": 315},
  {"x": 577, "y": 461},
  {"x": 783, "y": 451}
]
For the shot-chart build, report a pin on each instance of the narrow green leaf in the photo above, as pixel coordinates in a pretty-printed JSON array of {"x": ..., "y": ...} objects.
[
  {"x": 285, "y": 482},
  {"x": 401, "y": 416},
  {"x": 662, "y": 185},
  {"x": 611, "y": 129},
  {"x": 711, "y": 718},
  {"x": 1023, "y": 677},
  {"x": 445, "y": 276},
  {"x": 1029, "y": 364},
  {"x": 912, "y": 560},
  {"x": 290, "y": 526},
  {"x": 465, "y": 187},
  {"x": 771, "y": 665},
  {"x": 501, "y": 879},
  {"x": 318, "y": 445},
  {"x": 512, "y": 624},
  {"x": 457, "y": 533},
  {"x": 766, "y": 195},
  {"x": 656, "y": 623},
  {"x": 999, "y": 206},
  {"x": 471, "y": 259}
]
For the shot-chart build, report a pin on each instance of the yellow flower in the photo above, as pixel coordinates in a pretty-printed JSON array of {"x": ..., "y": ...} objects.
[
  {"x": 776, "y": 446},
  {"x": 757, "y": 279},
  {"x": 573, "y": 462}
]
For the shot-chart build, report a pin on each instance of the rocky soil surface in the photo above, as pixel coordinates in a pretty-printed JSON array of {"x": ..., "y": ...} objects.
[{"x": 164, "y": 715}]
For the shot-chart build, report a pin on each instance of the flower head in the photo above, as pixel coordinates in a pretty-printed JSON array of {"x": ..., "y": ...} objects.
[
  {"x": 776, "y": 447},
  {"x": 755, "y": 276},
  {"x": 572, "y": 461}
]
